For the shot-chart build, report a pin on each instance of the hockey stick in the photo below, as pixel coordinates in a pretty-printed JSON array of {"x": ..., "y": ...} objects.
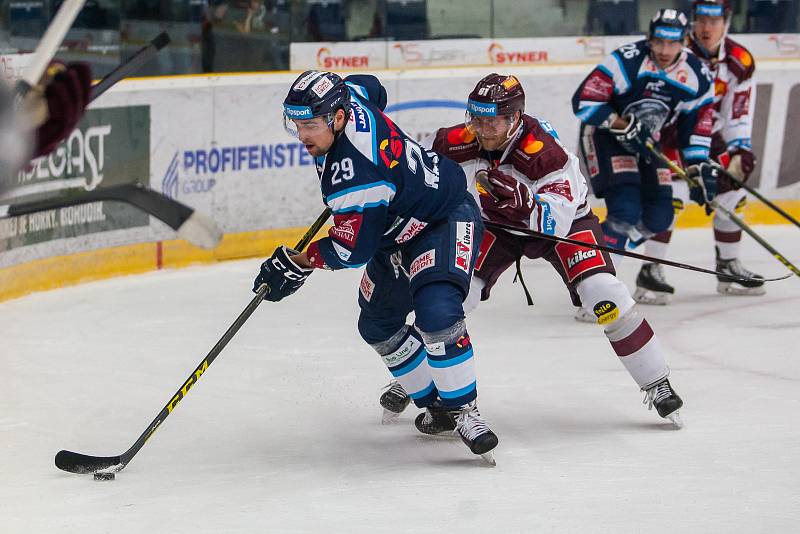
[
  {"x": 83, "y": 464},
  {"x": 753, "y": 191},
  {"x": 732, "y": 216},
  {"x": 131, "y": 65},
  {"x": 189, "y": 224},
  {"x": 48, "y": 46},
  {"x": 603, "y": 248}
]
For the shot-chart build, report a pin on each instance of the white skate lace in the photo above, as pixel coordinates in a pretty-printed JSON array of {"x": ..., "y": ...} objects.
[
  {"x": 394, "y": 388},
  {"x": 656, "y": 394},
  {"x": 470, "y": 424},
  {"x": 735, "y": 267}
]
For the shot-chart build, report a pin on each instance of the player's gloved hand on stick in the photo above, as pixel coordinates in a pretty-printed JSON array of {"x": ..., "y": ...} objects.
[
  {"x": 705, "y": 176},
  {"x": 506, "y": 199},
  {"x": 67, "y": 95},
  {"x": 633, "y": 137},
  {"x": 739, "y": 162},
  {"x": 281, "y": 274}
]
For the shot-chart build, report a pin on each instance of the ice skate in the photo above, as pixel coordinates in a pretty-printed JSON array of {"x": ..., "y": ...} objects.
[
  {"x": 437, "y": 420},
  {"x": 727, "y": 286},
  {"x": 475, "y": 433},
  {"x": 394, "y": 400},
  {"x": 666, "y": 401},
  {"x": 652, "y": 286},
  {"x": 582, "y": 316}
]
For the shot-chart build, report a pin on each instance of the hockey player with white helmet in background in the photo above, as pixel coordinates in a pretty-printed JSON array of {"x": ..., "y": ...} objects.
[
  {"x": 522, "y": 176},
  {"x": 406, "y": 214},
  {"x": 623, "y": 104},
  {"x": 733, "y": 67}
]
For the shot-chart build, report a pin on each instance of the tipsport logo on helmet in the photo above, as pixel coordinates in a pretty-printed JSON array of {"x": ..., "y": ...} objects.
[
  {"x": 670, "y": 34},
  {"x": 297, "y": 112},
  {"x": 482, "y": 109}
]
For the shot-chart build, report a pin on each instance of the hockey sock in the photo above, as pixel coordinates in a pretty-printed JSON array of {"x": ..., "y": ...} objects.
[
  {"x": 452, "y": 365},
  {"x": 406, "y": 358},
  {"x": 638, "y": 348}
]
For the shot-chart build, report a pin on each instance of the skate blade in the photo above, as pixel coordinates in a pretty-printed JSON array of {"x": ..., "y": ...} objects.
[
  {"x": 583, "y": 317},
  {"x": 390, "y": 417},
  {"x": 675, "y": 418},
  {"x": 653, "y": 298},
  {"x": 489, "y": 458},
  {"x": 726, "y": 288}
]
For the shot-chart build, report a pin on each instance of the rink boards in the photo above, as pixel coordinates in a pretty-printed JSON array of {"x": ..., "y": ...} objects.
[{"x": 217, "y": 144}]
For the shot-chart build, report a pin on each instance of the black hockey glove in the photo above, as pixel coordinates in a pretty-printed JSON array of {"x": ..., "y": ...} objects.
[
  {"x": 634, "y": 137},
  {"x": 281, "y": 274},
  {"x": 705, "y": 176}
]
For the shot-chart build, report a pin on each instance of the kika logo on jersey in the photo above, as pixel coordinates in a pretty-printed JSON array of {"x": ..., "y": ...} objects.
[
  {"x": 576, "y": 259},
  {"x": 463, "y": 246},
  {"x": 346, "y": 227},
  {"x": 531, "y": 145},
  {"x": 459, "y": 136},
  {"x": 412, "y": 228},
  {"x": 579, "y": 256},
  {"x": 424, "y": 261}
]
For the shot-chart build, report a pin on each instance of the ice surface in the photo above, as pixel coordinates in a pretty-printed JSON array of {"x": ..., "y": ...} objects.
[{"x": 283, "y": 432}]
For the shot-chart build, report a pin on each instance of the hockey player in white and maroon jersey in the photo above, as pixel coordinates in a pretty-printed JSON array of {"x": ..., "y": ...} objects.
[
  {"x": 732, "y": 66},
  {"x": 523, "y": 176}
]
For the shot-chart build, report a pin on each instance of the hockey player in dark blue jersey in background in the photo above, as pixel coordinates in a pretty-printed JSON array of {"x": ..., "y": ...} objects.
[
  {"x": 624, "y": 103},
  {"x": 406, "y": 214}
]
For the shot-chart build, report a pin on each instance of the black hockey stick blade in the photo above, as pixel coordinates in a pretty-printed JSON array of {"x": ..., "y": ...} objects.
[
  {"x": 81, "y": 464},
  {"x": 130, "y": 66},
  {"x": 189, "y": 224},
  {"x": 610, "y": 250},
  {"x": 84, "y": 464}
]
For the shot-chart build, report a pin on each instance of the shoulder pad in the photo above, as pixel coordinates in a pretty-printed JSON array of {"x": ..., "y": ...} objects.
[
  {"x": 456, "y": 143},
  {"x": 376, "y": 93},
  {"x": 537, "y": 153},
  {"x": 739, "y": 60}
]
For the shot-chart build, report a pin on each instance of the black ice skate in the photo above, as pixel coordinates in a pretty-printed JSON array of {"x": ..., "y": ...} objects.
[
  {"x": 666, "y": 401},
  {"x": 394, "y": 400},
  {"x": 727, "y": 286},
  {"x": 437, "y": 420},
  {"x": 475, "y": 433},
  {"x": 652, "y": 286}
]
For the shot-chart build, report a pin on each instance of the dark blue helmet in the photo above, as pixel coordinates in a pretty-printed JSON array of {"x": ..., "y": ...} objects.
[
  {"x": 668, "y": 24},
  {"x": 316, "y": 94}
]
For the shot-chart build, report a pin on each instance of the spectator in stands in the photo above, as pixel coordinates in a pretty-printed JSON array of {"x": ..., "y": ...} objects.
[
  {"x": 612, "y": 17},
  {"x": 772, "y": 16}
]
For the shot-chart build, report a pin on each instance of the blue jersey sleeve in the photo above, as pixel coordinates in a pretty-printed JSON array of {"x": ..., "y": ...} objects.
[{"x": 360, "y": 208}]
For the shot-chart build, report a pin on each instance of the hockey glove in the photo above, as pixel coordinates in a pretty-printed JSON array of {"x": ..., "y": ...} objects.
[
  {"x": 634, "y": 137},
  {"x": 67, "y": 96},
  {"x": 282, "y": 276},
  {"x": 508, "y": 200},
  {"x": 739, "y": 162},
  {"x": 705, "y": 177}
]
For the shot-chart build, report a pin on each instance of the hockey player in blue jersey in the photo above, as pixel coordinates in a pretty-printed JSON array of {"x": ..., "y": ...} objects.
[
  {"x": 406, "y": 214},
  {"x": 623, "y": 104}
]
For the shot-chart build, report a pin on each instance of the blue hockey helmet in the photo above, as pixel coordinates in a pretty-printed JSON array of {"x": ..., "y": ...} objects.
[
  {"x": 315, "y": 94},
  {"x": 668, "y": 24}
]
